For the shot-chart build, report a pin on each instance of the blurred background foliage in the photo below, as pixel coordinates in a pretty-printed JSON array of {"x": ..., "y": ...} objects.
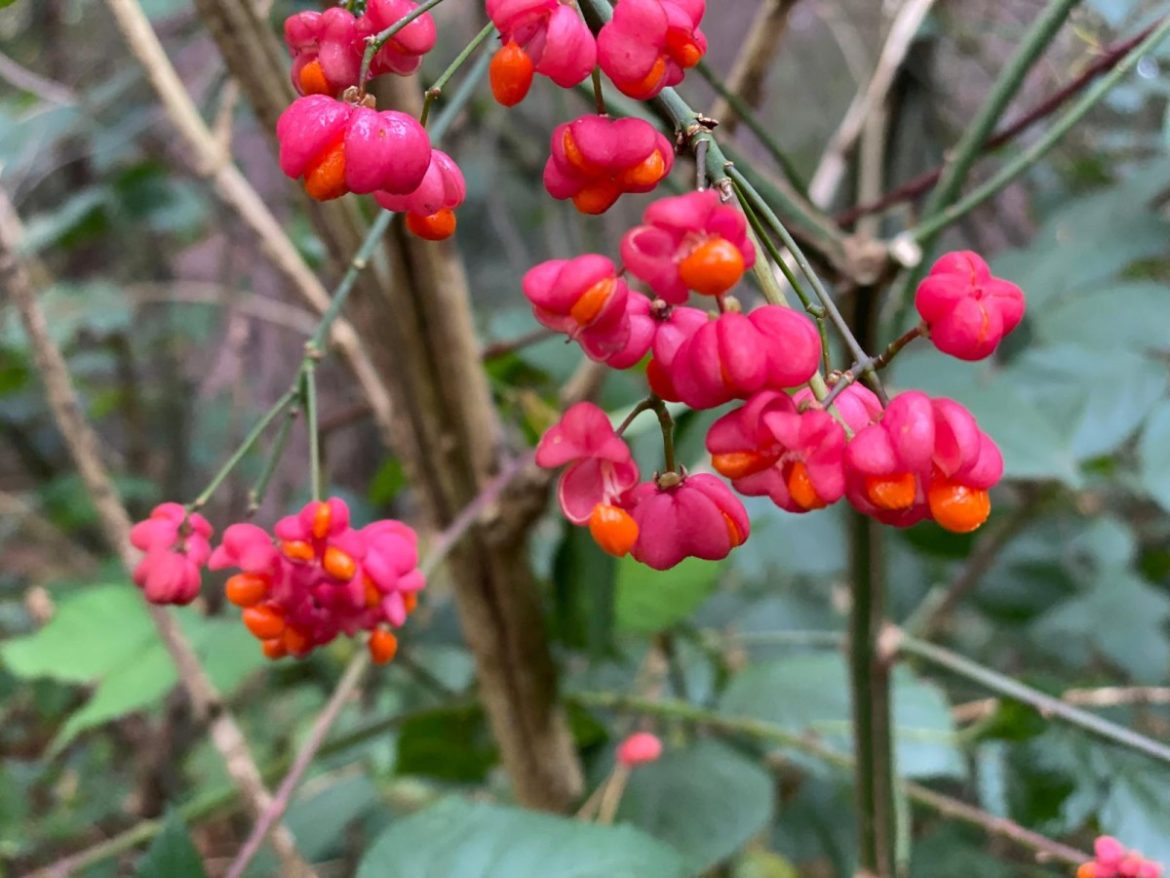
[{"x": 177, "y": 334}]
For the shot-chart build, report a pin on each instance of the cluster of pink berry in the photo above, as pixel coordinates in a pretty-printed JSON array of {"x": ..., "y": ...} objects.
[
  {"x": 334, "y": 139},
  {"x": 645, "y": 47},
  {"x": 919, "y": 458},
  {"x": 317, "y": 578},
  {"x": 1114, "y": 861}
]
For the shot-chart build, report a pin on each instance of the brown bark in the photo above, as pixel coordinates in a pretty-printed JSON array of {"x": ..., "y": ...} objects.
[{"x": 417, "y": 326}]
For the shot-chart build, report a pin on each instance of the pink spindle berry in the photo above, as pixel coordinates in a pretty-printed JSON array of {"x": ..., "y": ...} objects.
[
  {"x": 676, "y": 326},
  {"x": 638, "y": 749},
  {"x": 689, "y": 242},
  {"x": 648, "y": 44},
  {"x": 924, "y": 459},
  {"x": 736, "y": 355},
  {"x": 595, "y": 159},
  {"x": 967, "y": 309},
  {"x": 338, "y": 148},
  {"x": 326, "y": 49},
  {"x": 1113, "y": 860},
  {"x": 430, "y": 208},
  {"x": 599, "y": 466},
  {"x": 691, "y": 516},
  {"x": 402, "y": 53},
  {"x": 768, "y": 447},
  {"x": 176, "y": 547},
  {"x": 585, "y": 299},
  {"x": 857, "y": 405},
  {"x": 538, "y": 36},
  {"x": 321, "y": 578}
]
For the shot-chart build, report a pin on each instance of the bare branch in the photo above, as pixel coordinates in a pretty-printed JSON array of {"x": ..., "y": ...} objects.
[{"x": 750, "y": 69}]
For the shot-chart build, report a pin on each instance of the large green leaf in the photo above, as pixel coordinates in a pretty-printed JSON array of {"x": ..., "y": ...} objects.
[
  {"x": 93, "y": 632},
  {"x": 1154, "y": 455},
  {"x": 1129, "y": 316},
  {"x": 171, "y": 854},
  {"x": 810, "y": 693},
  {"x": 707, "y": 801},
  {"x": 476, "y": 840},
  {"x": 318, "y": 822},
  {"x": 452, "y": 744},
  {"x": 652, "y": 600}
]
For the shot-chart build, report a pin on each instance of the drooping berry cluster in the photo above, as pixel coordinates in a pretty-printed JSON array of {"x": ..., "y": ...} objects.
[
  {"x": 317, "y": 578},
  {"x": 334, "y": 140},
  {"x": 1113, "y": 860},
  {"x": 916, "y": 459}
]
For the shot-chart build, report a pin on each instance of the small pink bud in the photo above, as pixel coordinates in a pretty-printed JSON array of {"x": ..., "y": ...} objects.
[{"x": 639, "y": 748}]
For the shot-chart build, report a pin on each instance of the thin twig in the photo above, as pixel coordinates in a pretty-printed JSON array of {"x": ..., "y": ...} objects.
[
  {"x": 1045, "y": 848},
  {"x": 1102, "y": 698},
  {"x": 911, "y": 189},
  {"x": 746, "y": 80},
  {"x": 210, "y": 161},
  {"x": 21, "y": 77},
  {"x": 831, "y": 168},
  {"x": 83, "y": 448},
  {"x": 1048, "y": 706}
]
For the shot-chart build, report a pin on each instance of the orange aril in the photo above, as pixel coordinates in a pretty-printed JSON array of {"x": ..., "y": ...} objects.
[
  {"x": 801, "y": 490},
  {"x": 737, "y": 464},
  {"x": 576, "y": 158},
  {"x": 613, "y": 529},
  {"x": 437, "y": 226},
  {"x": 274, "y": 648},
  {"x": 410, "y": 601},
  {"x": 312, "y": 79},
  {"x": 682, "y": 48},
  {"x": 956, "y": 507},
  {"x": 339, "y": 564},
  {"x": 264, "y": 621},
  {"x": 296, "y": 641},
  {"x": 246, "y": 589},
  {"x": 325, "y": 177},
  {"x": 590, "y": 303},
  {"x": 713, "y": 267},
  {"x": 597, "y": 197},
  {"x": 1087, "y": 870},
  {"x": 649, "y": 82},
  {"x": 892, "y": 493},
  {"x": 298, "y": 550},
  {"x": 322, "y": 519},
  {"x": 511, "y": 74},
  {"x": 737, "y": 536},
  {"x": 645, "y": 174},
  {"x": 370, "y": 592},
  {"x": 383, "y": 646}
]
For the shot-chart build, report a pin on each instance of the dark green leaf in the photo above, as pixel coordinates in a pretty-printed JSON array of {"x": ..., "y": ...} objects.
[
  {"x": 171, "y": 854},
  {"x": 476, "y": 840},
  {"x": 452, "y": 745},
  {"x": 706, "y": 800}
]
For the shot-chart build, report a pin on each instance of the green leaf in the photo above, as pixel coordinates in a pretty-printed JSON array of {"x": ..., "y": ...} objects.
[
  {"x": 1154, "y": 455},
  {"x": 318, "y": 822},
  {"x": 810, "y": 693},
  {"x": 757, "y": 863},
  {"x": 477, "y": 840},
  {"x": 653, "y": 600},
  {"x": 93, "y": 632},
  {"x": 453, "y": 745},
  {"x": 1121, "y": 316},
  {"x": 707, "y": 801},
  {"x": 1122, "y": 616},
  {"x": 1135, "y": 812},
  {"x": 584, "y": 592},
  {"x": 171, "y": 854}
]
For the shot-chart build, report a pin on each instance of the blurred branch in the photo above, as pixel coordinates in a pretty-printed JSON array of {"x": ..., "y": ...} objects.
[
  {"x": 1046, "y": 705},
  {"x": 115, "y": 522},
  {"x": 750, "y": 70},
  {"x": 24, "y": 79},
  {"x": 1102, "y": 698},
  {"x": 1045, "y": 848},
  {"x": 210, "y": 161},
  {"x": 831, "y": 169},
  {"x": 911, "y": 189},
  {"x": 190, "y": 292}
]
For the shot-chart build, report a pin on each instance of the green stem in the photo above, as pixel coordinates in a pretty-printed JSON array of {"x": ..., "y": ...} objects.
[
  {"x": 826, "y": 300},
  {"x": 872, "y": 723},
  {"x": 309, "y": 397},
  {"x": 748, "y": 116},
  {"x": 275, "y": 453},
  {"x": 666, "y": 422},
  {"x": 375, "y": 43},
  {"x": 932, "y": 225},
  {"x": 249, "y": 441},
  {"x": 598, "y": 95},
  {"x": 436, "y": 90},
  {"x": 1046, "y": 705}
]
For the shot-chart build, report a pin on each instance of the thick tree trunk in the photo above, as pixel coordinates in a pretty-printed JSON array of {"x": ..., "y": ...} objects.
[{"x": 417, "y": 325}]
